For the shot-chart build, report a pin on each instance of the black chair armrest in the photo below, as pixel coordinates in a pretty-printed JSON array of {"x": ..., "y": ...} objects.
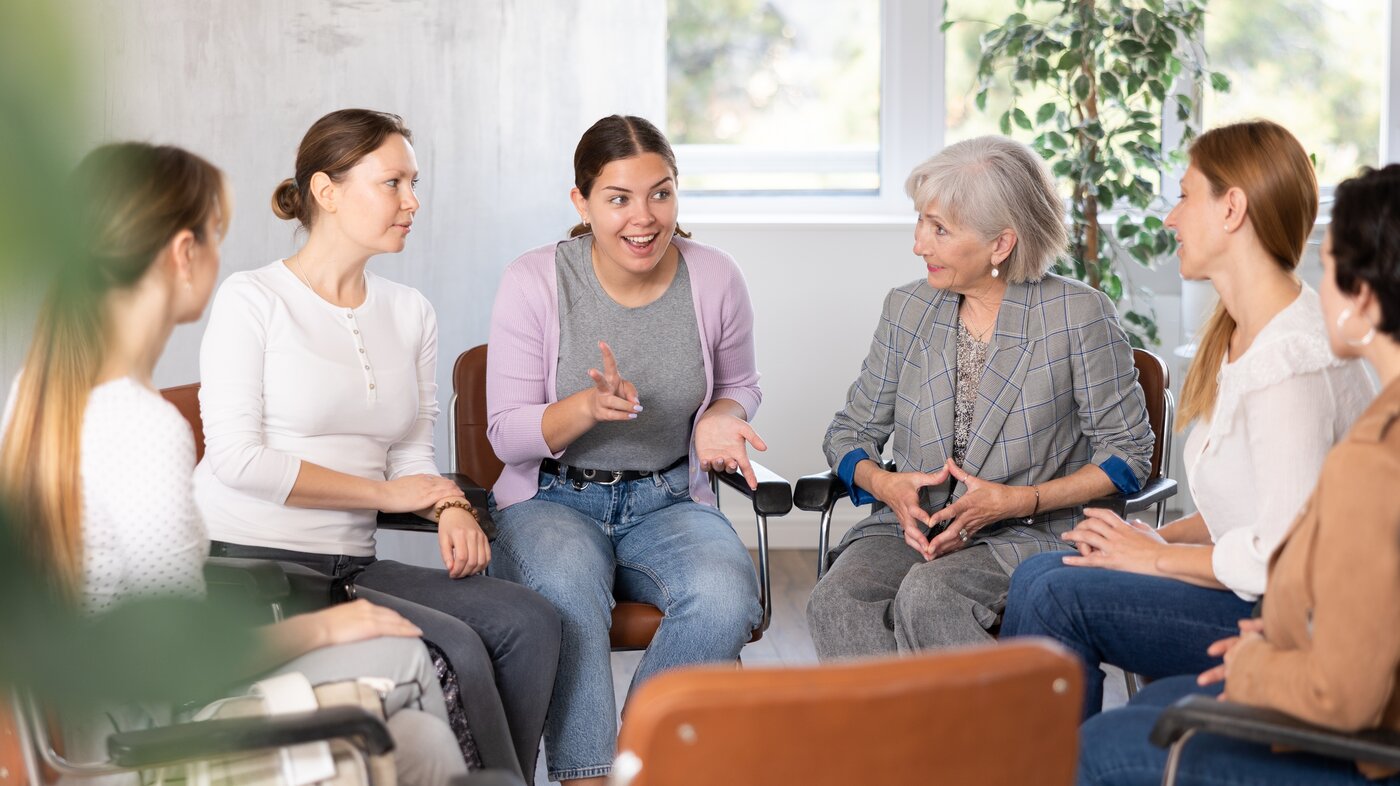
[
  {"x": 773, "y": 497},
  {"x": 259, "y": 580},
  {"x": 1270, "y": 727},
  {"x": 818, "y": 492},
  {"x": 226, "y": 736},
  {"x": 1149, "y": 495},
  {"x": 412, "y": 522}
]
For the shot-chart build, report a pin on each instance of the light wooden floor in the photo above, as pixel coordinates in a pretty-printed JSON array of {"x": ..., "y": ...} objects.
[{"x": 787, "y": 641}]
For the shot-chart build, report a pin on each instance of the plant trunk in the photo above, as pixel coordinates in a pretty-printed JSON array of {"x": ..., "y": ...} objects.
[{"x": 1089, "y": 110}]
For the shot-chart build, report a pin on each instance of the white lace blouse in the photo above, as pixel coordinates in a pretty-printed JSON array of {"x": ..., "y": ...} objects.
[{"x": 1280, "y": 408}]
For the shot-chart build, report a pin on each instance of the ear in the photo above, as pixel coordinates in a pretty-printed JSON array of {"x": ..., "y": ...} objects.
[
  {"x": 580, "y": 204},
  {"x": 1004, "y": 244},
  {"x": 1368, "y": 306},
  {"x": 1236, "y": 207},
  {"x": 324, "y": 191},
  {"x": 180, "y": 256}
]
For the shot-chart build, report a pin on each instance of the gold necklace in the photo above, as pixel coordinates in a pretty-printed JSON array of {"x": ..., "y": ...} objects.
[{"x": 296, "y": 260}]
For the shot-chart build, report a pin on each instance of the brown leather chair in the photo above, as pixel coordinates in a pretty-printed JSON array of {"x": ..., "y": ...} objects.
[
  {"x": 1002, "y": 714},
  {"x": 819, "y": 492},
  {"x": 633, "y": 624}
]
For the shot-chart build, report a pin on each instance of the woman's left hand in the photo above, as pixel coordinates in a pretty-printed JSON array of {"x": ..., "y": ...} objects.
[
  {"x": 1114, "y": 543},
  {"x": 465, "y": 550},
  {"x": 984, "y": 503},
  {"x": 721, "y": 444},
  {"x": 1228, "y": 648}
]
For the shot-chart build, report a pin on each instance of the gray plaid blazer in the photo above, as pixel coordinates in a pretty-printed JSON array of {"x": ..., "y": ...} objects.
[{"x": 1059, "y": 391}]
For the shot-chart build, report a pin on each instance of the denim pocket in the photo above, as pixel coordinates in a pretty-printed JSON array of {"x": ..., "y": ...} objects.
[
  {"x": 677, "y": 481},
  {"x": 547, "y": 482}
]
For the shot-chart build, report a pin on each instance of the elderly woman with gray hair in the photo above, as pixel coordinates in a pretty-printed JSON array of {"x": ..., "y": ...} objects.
[{"x": 1012, "y": 400}]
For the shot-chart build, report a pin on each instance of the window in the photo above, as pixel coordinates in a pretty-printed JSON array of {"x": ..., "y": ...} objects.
[
  {"x": 1314, "y": 66},
  {"x": 790, "y": 98}
]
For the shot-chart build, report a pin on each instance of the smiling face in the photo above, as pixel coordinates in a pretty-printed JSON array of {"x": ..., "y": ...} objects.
[
  {"x": 632, "y": 212},
  {"x": 955, "y": 256},
  {"x": 374, "y": 203},
  {"x": 1198, "y": 219}
]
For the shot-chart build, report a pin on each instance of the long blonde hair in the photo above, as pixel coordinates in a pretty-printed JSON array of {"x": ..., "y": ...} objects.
[
  {"x": 1267, "y": 163},
  {"x": 131, "y": 198}
]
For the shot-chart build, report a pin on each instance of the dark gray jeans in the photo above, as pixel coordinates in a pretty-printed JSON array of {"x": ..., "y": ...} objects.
[
  {"x": 502, "y": 640},
  {"x": 880, "y": 598}
]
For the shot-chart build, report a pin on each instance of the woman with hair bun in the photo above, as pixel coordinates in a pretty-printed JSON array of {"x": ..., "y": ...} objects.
[{"x": 319, "y": 395}]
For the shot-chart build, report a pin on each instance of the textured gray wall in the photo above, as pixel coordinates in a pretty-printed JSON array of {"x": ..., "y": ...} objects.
[{"x": 497, "y": 93}]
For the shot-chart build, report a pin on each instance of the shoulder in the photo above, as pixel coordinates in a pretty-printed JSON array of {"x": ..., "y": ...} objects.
[
  {"x": 252, "y": 289},
  {"x": 399, "y": 296},
  {"x": 1293, "y": 344},
  {"x": 531, "y": 275},
  {"x": 124, "y": 419},
  {"x": 1076, "y": 299},
  {"x": 710, "y": 268}
]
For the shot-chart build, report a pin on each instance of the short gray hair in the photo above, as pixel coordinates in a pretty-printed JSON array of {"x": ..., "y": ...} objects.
[{"x": 990, "y": 184}]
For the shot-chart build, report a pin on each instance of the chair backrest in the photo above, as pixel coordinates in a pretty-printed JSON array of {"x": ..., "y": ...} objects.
[
  {"x": 186, "y": 399},
  {"x": 1003, "y": 714},
  {"x": 475, "y": 459},
  {"x": 1155, "y": 380}
]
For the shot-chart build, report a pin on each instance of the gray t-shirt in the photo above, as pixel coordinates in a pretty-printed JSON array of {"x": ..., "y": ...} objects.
[{"x": 657, "y": 347}]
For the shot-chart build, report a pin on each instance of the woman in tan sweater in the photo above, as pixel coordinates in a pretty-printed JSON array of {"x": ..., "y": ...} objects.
[{"x": 1327, "y": 647}]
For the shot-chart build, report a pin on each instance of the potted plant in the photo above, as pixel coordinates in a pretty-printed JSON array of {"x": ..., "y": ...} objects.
[{"x": 1104, "y": 73}]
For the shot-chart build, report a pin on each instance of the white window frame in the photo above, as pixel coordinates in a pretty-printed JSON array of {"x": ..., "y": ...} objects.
[{"x": 911, "y": 130}]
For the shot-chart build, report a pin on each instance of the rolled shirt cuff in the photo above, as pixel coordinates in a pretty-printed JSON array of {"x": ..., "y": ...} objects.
[
  {"x": 846, "y": 471},
  {"x": 1121, "y": 474}
]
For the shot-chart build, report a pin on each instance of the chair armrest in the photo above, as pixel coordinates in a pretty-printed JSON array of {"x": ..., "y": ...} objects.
[
  {"x": 818, "y": 492},
  {"x": 773, "y": 497},
  {"x": 412, "y": 522},
  {"x": 1123, "y": 504},
  {"x": 1270, "y": 727},
  {"x": 261, "y": 580},
  {"x": 226, "y": 736}
]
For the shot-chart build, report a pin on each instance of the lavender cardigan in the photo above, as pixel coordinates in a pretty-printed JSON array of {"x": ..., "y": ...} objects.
[{"x": 524, "y": 355}]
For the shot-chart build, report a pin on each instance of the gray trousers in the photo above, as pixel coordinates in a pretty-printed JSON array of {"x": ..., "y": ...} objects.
[{"x": 880, "y": 598}]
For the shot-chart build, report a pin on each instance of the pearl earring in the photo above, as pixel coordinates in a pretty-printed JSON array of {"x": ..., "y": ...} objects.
[
  {"x": 1361, "y": 342},
  {"x": 995, "y": 272}
]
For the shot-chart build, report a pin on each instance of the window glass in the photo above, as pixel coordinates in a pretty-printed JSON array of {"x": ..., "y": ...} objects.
[{"x": 774, "y": 95}]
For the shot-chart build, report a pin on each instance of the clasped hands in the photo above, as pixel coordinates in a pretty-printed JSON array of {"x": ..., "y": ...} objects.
[
  {"x": 1105, "y": 540},
  {"x": 984, "y": 503},
  {"x": 721, "y": 437}
]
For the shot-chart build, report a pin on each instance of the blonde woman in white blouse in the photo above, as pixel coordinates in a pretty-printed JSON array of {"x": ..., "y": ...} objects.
[
  {"x": 100, "y": 464},
  {"x": 1266, "y": 399}
]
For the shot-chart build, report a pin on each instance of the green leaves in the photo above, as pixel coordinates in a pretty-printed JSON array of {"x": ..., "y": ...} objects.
[{"x": 1115, "y": 65}]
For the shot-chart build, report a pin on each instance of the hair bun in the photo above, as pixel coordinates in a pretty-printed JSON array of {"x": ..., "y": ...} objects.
[{"x": 286, "y": 200}]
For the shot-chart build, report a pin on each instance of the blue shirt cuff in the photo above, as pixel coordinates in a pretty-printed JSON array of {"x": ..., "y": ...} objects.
[
  {"x": 846, "y": 471},
  {"x": 1121, "y": 474}
]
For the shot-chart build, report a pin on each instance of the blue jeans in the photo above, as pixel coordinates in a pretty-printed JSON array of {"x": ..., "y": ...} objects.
[
  {"x": 1147, "y": 625},
  {"x": 1114, "y": 749},
  {"x": 645, "y": 540}
]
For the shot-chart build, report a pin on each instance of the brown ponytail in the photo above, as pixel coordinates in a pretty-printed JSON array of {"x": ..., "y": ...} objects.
[
  {"x": 1265, "y": 161},
  {"x": 133, "y": 198},
  {"x": 612, "y": 138}
]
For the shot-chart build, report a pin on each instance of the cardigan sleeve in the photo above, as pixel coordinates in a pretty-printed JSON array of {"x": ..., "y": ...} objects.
[
  {"x": 1112, "y": 412},
  {"x": 414, "y": 454},
  {"x": 736, "y": 370},
  {"x": 517, "y": 369},
  {"x": 231, "y": 361},
  {"x": 1346, "y": 677},
  {"x": 1286, "y": 461}
]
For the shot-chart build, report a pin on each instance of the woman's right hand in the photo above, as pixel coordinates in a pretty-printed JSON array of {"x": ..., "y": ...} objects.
[
  {"x": 413, "y": 493},
  {"x": 612, "y": 397},
  {"x": 359, "y": 620},
  {"x": 900, "y": 493}
]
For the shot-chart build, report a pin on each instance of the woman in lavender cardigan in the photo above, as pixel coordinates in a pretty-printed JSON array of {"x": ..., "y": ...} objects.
[{"x": 621, "y": 370}]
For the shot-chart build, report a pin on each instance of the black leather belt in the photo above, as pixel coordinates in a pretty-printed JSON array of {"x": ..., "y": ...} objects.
[{"x": 604, "y": 477}]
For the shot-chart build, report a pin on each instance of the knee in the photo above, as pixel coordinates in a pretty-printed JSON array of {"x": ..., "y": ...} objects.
[
  {"x": 725, "y": 599},
  {"x": 830, "y": 600},
  {"x": 1033, "y": 571}
]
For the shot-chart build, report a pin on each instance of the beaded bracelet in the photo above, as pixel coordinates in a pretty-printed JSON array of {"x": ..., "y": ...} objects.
[{"x": 453, "y": 503}]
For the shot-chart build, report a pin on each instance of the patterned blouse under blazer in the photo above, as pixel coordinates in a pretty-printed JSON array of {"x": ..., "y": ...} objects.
[{"x": 1059, "y": 391}]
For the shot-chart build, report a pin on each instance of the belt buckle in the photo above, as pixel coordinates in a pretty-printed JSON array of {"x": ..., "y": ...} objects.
[{"x": 591, "y": 474}]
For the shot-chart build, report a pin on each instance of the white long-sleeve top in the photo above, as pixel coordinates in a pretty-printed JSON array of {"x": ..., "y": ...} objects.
[
  {"x": 1280, "y": 408},
  {"x": 287, "y": 377},
  {"x": 142, "y": 536}
]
